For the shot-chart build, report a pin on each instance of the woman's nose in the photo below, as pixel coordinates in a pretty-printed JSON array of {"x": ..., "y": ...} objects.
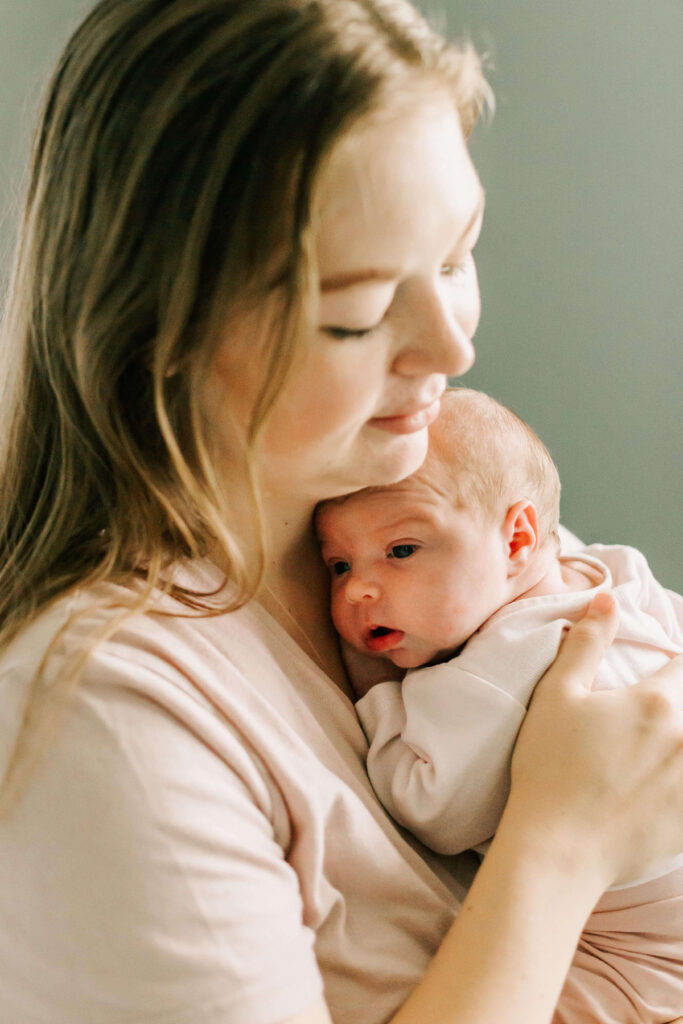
[
  {"x": 359, "y": 590},
  {"x": 441, "y": 331}
]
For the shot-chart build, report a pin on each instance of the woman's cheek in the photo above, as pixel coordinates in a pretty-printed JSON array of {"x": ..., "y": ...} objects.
[{"x": 333, "y": 394}]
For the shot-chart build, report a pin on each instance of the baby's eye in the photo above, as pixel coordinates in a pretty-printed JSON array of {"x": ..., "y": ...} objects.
[
  {"x": 339, "y": 568},
  {"x": 402, "y": 550}
]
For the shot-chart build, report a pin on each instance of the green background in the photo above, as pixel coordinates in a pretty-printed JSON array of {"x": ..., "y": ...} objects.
[{"x": 581, "y": 258}]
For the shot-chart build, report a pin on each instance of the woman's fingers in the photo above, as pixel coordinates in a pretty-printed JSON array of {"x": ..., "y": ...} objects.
[
  {"x": 668, "y": 681},
  {"x": 577, "y": 663},
  {"x": 603, "y": 768}
]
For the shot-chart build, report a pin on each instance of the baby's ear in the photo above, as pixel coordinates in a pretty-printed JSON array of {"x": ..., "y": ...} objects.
[{"x": 520, "y": 533}]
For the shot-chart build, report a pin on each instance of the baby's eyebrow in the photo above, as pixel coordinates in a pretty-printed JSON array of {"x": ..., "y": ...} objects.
[
  {"x": 327, "y": 544},
  {"x": 412, "y": 519}
]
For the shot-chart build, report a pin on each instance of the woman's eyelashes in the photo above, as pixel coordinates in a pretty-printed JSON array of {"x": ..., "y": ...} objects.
[{"x": 342, "y": 333}]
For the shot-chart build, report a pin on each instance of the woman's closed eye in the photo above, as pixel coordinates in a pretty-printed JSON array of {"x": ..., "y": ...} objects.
[
  {"x": 454, "y": 271},
  {"x": 344, "y": 333}
]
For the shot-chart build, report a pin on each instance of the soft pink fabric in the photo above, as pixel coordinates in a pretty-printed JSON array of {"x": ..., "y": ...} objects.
[
  {"x": 442, "y": 740},
  {"x": 440, "y": 752},
  {"x": 628, "y": 968},
  {"x": 200, "y": 843}
]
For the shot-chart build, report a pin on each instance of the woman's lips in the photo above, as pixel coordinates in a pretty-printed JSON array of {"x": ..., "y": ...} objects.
[
  {"x": 381, "y": 638},
  {"x": 410, "y": 422}
]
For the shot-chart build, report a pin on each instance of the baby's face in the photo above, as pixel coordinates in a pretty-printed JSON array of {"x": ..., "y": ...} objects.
[{"x": 412, "y": 576}]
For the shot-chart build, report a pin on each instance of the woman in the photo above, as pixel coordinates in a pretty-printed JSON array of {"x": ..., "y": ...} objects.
[{"x": 246, "y": 269}]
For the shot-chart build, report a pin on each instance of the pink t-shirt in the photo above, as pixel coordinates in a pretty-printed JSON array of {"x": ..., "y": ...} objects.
[{"x": 200, "y": 844}]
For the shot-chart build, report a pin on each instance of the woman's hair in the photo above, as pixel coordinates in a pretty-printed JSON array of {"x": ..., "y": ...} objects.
[{"x": 171, "y": 184}]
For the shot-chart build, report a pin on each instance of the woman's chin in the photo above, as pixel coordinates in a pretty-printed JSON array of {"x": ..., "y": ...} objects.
[
  {"x": 403, "y": 456},
  {"x": 366, "y": 463}
]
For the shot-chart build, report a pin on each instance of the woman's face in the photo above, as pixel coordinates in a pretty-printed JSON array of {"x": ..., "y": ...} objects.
[{"x": 396, "y": 216}]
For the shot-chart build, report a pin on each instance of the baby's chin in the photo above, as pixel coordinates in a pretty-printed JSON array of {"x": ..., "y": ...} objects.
[{"x": 405, "y": 658}]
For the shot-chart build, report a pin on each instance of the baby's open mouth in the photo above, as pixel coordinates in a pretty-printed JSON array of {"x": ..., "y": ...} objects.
[{"x": 382, "y": 638}]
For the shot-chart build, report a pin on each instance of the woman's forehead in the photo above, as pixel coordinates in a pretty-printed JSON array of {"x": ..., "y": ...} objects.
[{"x": 395, "y": 192}]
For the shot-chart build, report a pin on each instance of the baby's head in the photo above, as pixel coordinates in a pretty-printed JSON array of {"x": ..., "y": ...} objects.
[{"x": 419, "y": 566}]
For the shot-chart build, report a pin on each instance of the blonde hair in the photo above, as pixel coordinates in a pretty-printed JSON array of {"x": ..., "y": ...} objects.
[
  {"x": 488, "y": 458},
  {"x": 177, "y": 153}
]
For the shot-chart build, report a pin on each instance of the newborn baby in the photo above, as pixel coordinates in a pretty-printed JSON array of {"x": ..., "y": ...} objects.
[{"x": 456, "y": 574}]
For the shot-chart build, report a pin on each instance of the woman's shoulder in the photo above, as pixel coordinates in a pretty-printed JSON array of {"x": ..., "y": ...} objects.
[
  {"x": 106, "y": 623},
  {"x": 92, "y": 653},
  {"x": 163, "y": 830},
  {"x": 232, "y": 679},
  {"x": 144, "y": 703}
]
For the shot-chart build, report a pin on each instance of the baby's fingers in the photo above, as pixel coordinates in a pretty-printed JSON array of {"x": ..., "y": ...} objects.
[{"x": 577, "y": 663}]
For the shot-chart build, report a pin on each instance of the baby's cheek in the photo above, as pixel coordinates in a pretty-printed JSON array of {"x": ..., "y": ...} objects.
[
  {"x": 340, "y": 613},
  {"x": 452, "y": 614}
]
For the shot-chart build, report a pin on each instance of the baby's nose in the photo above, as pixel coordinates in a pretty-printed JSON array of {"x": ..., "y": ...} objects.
[{"x": 359, "y": 590}]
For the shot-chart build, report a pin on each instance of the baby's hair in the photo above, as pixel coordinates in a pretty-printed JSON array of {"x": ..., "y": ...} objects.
[
  {"x": 483, "y": 456},
  {"x": 489, "y": 458}
]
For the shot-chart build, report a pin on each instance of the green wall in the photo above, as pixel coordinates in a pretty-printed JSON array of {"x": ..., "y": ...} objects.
[{"x": 581, "y": 259}]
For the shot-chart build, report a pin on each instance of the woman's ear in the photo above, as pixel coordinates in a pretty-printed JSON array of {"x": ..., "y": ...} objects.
[{"x": 520, "y": 534}]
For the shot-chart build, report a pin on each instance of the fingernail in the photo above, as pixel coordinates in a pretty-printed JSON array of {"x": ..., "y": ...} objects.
[{"x": 602, "y": 604}]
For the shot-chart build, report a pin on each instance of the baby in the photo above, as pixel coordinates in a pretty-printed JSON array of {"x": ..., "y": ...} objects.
[{"x": 456, "y": 575}]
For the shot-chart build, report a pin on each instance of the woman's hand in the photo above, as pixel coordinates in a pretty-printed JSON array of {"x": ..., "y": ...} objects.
[{"x": 600, "y": 774}]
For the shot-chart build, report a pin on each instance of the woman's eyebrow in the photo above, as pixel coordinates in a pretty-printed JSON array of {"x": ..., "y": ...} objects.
[
  {"x": 387, "y": 274},
  {"x": 346, "y": 280}
]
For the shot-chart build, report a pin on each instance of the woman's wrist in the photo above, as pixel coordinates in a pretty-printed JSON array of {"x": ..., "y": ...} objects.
[{"x": 556, "y": 841}]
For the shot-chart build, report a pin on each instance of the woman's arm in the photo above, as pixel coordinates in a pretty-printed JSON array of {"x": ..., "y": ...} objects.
[
  {"x": 505, "y": 958},
  {"x": 596, "y": 779}
]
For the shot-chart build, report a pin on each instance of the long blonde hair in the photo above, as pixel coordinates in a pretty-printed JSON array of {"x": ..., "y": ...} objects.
[{"x": 177, "y": 151}]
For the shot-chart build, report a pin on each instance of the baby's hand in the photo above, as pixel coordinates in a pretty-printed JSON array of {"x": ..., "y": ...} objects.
[{"x": 364, "y": 671}]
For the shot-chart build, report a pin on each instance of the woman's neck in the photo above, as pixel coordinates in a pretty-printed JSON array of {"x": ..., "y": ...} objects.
[{"x": 295, "y": 587}]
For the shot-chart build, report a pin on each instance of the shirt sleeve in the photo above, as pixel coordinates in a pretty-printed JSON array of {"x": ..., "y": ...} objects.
[
  {"x": 440, "y": 752},
  {"x": 441, "y": 742},
  {"x": 142, "y": 876}
]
